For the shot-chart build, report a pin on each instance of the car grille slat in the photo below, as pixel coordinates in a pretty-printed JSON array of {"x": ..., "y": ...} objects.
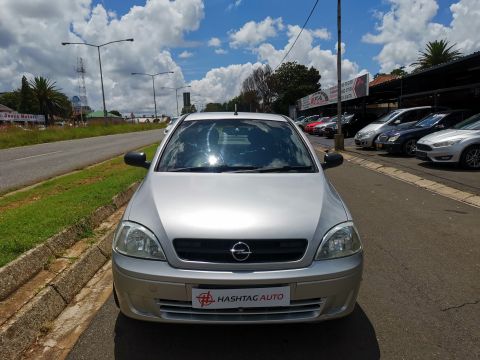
[
  {"x": 218, "y": 250},
  {"x": 183, "y": 310},
  {"x": 423, "y": 147}
]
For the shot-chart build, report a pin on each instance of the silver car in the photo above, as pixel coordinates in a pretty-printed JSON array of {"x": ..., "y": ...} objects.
[
  {"x": 461, "y": 144},
  {"x": 395, "y": 119},
  {"x": 235, "y": 222}
]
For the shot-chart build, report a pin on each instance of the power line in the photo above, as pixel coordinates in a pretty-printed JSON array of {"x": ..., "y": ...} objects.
[{"x": 305, "y": 24}]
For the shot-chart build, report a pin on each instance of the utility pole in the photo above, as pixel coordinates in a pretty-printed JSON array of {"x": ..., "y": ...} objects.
[{"x": 339, "y": 139}]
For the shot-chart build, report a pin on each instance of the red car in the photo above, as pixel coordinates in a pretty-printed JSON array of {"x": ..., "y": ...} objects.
[{"x": 309, "y": 128}]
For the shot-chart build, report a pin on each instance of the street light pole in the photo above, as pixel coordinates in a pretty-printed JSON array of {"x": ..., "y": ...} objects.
[
  {"x": 153, "y": 85},
  {"x": 339, "y": 140},
  {"x": 100, "y": 63}
]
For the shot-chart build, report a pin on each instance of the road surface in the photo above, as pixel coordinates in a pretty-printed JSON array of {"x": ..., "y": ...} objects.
[
  {"x": 420, "y": 297},
  {"x": 27, "y": 165}
]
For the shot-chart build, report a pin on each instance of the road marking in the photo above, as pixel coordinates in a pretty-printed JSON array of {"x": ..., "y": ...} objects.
[{"x": 34, "y": 156}]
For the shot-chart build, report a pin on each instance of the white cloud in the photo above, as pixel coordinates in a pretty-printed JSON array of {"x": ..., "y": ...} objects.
[
  {"x": 253, "y": 33},
  {"x": 185, "y": 54},
  {"x": 222, "y": 84},
  {"x": 304, "y": 52},
  {"x": 221, "y": 51},
  {"x": 407, "y": 27},
  {"x": 31, "y": 33},
  {"x": 234, "y": 4},
  {"x": 214, "y": 42},
  {"x": 323, "y": 34}
]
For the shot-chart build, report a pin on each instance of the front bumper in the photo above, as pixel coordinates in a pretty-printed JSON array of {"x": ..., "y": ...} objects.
[
  {"x": 390, "y": 147},
  {"x": 155, "y": 291},
  {"x": 448, "y": 154},
  {"x": 364, "y": 142}
]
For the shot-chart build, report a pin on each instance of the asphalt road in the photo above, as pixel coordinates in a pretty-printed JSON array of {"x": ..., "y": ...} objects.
[
  {"x": 420, "y": 297},
  {"x": 448, "y": 174},
  {"x": 27, "y": 165}
]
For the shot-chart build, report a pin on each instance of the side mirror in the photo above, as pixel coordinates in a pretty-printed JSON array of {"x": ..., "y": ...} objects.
[
  {"x": 332, "y": 160},
  {"x": 136, "y": 159}
]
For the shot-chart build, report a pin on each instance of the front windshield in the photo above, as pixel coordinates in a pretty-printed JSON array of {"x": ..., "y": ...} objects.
[
  {"x": 430, "y": 120},
  {"x": 388, "y": 117},
  {"x": 235, "y": 145},
  {"x": 472, "y": 123}
]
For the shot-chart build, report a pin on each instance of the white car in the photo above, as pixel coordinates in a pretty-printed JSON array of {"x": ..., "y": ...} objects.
[
  {"x": 396, "y": 119},
  {"x": 461, "y": 144}
]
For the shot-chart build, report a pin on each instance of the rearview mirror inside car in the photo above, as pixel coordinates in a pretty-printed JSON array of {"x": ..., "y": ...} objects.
[
  {"x": 332, "y": 160},
  {"x": 136, "y": 159}
]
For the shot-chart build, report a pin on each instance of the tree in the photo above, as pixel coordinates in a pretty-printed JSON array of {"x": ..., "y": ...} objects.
[
  {"x": 115, "y": 112},
  {"x": 214, "y": 107},
  {"x": 399, "y": 72},
  {"x": 10, "y": 99},
  {"x": 26, "y": 104},
  {"x": 189, "y": 109},
  {"x": 50, "y": 100},
  {"x": 436, "y": 52},
  {"x": 257, "y": 90},
  {"x": 290, "y": 82}
]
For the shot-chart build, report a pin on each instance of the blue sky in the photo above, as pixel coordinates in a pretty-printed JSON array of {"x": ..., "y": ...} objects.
[{"x": 221, "y": 17}]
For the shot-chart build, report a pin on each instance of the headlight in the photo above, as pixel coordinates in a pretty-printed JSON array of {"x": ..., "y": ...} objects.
[
  {"x": 132, "y": 239},
  {"x": 447, "y": 143},
  {"x": 394, "y": 138},
  {"x": 340, "y": 241}
]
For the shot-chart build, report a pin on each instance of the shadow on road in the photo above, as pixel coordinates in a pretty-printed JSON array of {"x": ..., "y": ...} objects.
[{"x": 350, "y": 338}]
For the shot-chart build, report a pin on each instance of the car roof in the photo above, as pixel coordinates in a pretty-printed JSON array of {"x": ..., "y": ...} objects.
[{"x": 232, "y": 116}]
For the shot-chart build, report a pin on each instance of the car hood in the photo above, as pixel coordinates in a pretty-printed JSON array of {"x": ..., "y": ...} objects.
[
  {"x": 236, "y": 206},
  {"x": 373, "y": 127},
  {"x": 412, "y": 131},
  {"x": 449, "y": 134}
]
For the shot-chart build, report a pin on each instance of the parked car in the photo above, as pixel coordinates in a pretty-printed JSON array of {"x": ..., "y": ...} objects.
[
  {"x": 393, "y": 120},
  {"x": 405, "y": 141},
  {"x": 318, "y": 129},
  {"x": 351, "y": 124},
  {"x": 208, "y": 236},
  {"x": 298, "y": 119},
  {"x": 307, "y": 120},
  {"x": 309, "y": 127},
  {"x": 461, "y": 144}
]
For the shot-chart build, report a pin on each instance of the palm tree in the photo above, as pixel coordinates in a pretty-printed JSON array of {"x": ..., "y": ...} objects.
[
  {"x": 49, "y": 98},
  {"x": 436, "y": 52}
]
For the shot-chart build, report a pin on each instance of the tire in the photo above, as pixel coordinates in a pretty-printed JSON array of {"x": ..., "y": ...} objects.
[
  {"x": 470, "y": 158},
  {"x": 409, "y": 147}
]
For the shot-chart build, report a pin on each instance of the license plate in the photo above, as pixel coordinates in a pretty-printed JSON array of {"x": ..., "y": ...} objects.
[{"x": 240, "y": 298}]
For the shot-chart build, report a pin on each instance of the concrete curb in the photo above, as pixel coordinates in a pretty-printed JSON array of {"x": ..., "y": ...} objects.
[
  {"x": 21, "y": 331},
  {"x": 430, "y": 185},
  {"x": 18, "y": 272}
]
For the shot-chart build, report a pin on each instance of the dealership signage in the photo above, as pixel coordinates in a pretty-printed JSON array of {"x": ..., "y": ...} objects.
[
  {"x": 16, "y": 117},
  {"x": 351, "y": 89}
]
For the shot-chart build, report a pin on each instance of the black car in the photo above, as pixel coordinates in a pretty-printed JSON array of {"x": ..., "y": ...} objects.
[
  {"x": 404, "y": 141},
  {"x": 351, "y": 123}
]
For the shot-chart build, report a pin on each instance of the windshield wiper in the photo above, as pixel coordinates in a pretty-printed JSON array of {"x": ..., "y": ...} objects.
[
  {"x": 220, "y": 168},
  {"x": 279, "y": 169}
]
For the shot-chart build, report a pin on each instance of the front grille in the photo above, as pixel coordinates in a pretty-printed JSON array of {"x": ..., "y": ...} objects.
[
  {"x": 423, "y": 147},
  {"x": 183, "y": 311},
  {"x": 218, "y": 250}
]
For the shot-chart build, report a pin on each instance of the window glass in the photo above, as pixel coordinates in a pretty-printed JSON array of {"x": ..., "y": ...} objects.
[{"x": 229, "y": 145}]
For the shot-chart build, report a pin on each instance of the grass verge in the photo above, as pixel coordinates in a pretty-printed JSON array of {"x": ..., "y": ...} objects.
[
  {"x": 28, "y": 218},
  {"x": 14, "y": 136}
]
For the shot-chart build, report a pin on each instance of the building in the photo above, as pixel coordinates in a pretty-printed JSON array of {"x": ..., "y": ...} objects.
[{"x": 96, "y": 117}]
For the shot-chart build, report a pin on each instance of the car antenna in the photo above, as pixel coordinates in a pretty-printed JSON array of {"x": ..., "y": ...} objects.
[{"x": 235, "y": 113}]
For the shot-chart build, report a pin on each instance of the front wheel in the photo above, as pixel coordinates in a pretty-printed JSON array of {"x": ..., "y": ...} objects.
[
  {"x": 471, "y": 157},
  {"x": 410, "y": 147}
]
